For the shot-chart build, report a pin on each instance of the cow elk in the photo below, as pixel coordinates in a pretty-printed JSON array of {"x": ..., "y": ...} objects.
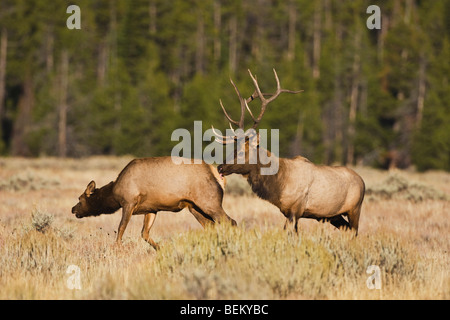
[
  {"x": 149, "y": 185},
  {"x": 299, "y": 188}
]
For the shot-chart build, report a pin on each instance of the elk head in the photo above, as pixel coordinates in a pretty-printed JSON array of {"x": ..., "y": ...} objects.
[
  {"x": 94, "y": 202},
  {"x": 248, "y": 155}
]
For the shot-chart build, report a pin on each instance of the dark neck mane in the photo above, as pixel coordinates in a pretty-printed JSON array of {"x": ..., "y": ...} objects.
[
  {"x": 104, "y": 199},
  {"x": 267, "y": 187}
]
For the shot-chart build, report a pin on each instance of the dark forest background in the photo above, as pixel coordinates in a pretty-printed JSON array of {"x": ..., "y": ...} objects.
[{"x": 136, "y": 70}]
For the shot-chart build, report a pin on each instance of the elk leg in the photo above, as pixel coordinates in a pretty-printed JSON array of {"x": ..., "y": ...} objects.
[
  {"x": 222, "y": 216},
  {"x": 127, "y": 212},
  {"x": 290, "y": 224},
  {"x": 287, "y": 223},
  {"x": 217, "y": 214},
  {"x": 296, "y": 225},
  {"x": 201, "y": 217},
  {"x": 149, "y": 219},
  {"x": 292, "y": 220},
  {"x": 353, "y": 218},
  {"x": 339, "y": 222}
]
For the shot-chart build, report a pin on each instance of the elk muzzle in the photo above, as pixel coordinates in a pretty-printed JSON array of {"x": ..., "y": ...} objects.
[{"x": 75, "y": 210}]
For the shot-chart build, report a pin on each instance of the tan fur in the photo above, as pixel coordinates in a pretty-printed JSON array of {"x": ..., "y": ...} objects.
[
  {"x": 301, "y": 189},
  {"x": 298, "y": 188},
  {"x": 220, "y": 178},
  {"x": 148, "y": 185}
]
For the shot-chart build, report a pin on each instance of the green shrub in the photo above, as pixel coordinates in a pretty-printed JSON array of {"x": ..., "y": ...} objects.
[
  {"x": 41, "y": 221},
  {"x": 396, "y": 187},
  {"x": 27, "y": 181}
]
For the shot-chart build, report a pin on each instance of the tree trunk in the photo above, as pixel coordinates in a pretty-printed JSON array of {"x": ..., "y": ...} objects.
[
  {"x": 233, "y": 44},
  {"x": 200, "y": 48},
  {"x": 102, "y": 63},
  {"x": 50, "y": 44},
  {"x": 3, "y": 51},
  {"x": 25, "y": 106},
  {"x": 291, "y": 31},
  {"x": 152, "y": 11},
  {"x": 338, "y": 134},
  {"x": 328, "y": 15},
  {"x": 409, "y": 7},
  {"x": 62, "y": 104},
  {"x": 339, "y": 101},
  {"x": 353, "y": 100},
  {"x": 217, "y": 27},
  {"x": 257, "y": 41},
  {"x": 421, "y": 91},
  {"x": 317, "y": 34}
]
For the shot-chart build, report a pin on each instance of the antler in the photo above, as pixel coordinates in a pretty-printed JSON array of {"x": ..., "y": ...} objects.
[
  {"x": 244, "y": 105},
  {"x": 264, "y": 101},
  {"x": 224, "y": 139},
  {"x": 229, "y": 139}
]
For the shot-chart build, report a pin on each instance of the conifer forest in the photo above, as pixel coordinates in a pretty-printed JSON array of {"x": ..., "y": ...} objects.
[{"x": 133, "y": 71}]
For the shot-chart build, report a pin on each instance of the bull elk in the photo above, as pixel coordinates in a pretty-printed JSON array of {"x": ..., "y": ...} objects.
[
  {"x": 146, "y": 186},
  {"x": 300, "y": 189}
]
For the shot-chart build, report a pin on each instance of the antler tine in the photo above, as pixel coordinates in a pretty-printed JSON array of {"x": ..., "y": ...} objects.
[
  {"x": 232, "y": 130},
  {"x": 222, "y": 139},
  {"x": 226, "y": 114},
  {"x": 248, "y": 108},
  {"x": 228, "y": 139},
  {"x": 255, "y": 95},
  {"x": 257, "y": 90},
  {"x": 242, "y": 102},
  {"x": 278, "y": 80},
  {"x": 244, "y": 105},
  {"x": 264, "y": 101},
  {"x": 279, "y": 90}
]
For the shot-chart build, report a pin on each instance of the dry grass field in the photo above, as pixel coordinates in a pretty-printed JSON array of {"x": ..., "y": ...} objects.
[{"x": 404, "y": 231}]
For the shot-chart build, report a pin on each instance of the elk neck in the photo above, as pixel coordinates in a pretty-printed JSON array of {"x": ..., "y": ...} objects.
[
  {"x": 267, "y": 187},
  {"x": 105, "y": 200}
]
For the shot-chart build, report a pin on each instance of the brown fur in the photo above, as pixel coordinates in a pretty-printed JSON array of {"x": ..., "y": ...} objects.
[
  {"x": 146, "y": 186},
  {"x": 301, "y": 189}
]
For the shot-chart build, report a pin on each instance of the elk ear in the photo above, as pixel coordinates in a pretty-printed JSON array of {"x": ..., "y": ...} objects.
[{"x": 90, "y": 188}]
